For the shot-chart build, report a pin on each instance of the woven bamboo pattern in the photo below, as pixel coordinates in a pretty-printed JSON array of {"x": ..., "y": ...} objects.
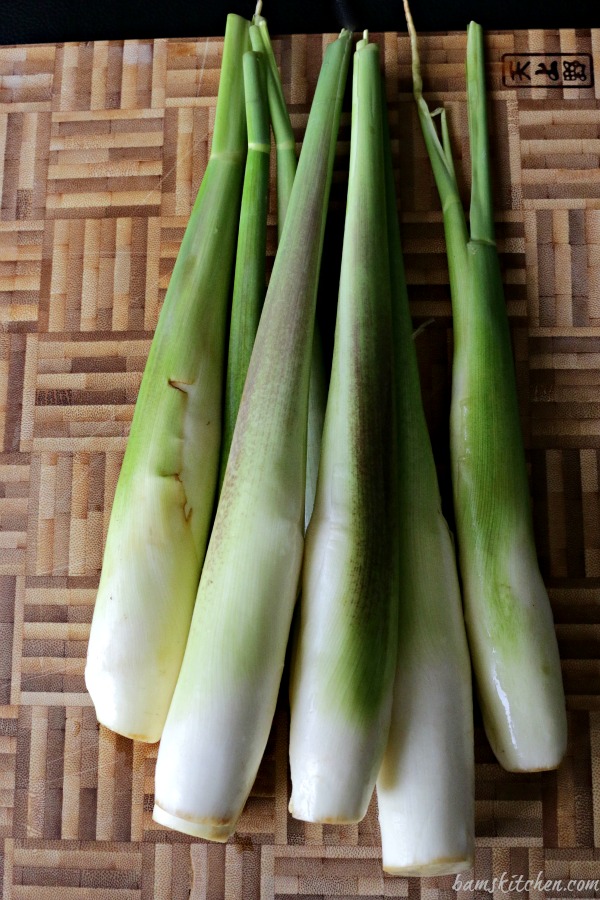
[{"x": 102, "y": 149}]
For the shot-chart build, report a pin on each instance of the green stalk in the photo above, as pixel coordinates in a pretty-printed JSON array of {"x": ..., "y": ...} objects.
[
  {"x": 440, "y": 156},
  {"x": 285, "y": 141},
  {"x": 507, "y": 611},
  {"x": 163, "y": 503},
  {"x": 223, "y": 705},
  {"x": 481, "y": 217},
  {"x": 285, "y": 144},
  {"x": 317, "y": 401},
  {"x": 250, "y": 266},
  {"x": 343, "y": 668},
  {"x": 425, "y": 788}
]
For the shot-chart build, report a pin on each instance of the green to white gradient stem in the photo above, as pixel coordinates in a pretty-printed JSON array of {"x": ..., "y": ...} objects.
[
  {"x": 507, "y": 611},
  {"x": 343, "y": 667},
  {"x": 249, "y": 283},
  {"x": 164, "y": 498},
  {"x": 225, "y": 698},
  {"x": 285, "y": 144},
  {"x": 425, "y": 789}
]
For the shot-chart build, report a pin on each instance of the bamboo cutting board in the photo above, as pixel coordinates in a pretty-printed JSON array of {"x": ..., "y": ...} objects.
[{"x": 102, "y": 147}]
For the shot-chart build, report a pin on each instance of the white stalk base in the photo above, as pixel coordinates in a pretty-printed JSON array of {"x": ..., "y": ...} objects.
[
  {"x": 431, "y": 868},
  {"x": 425, "y": 786},
  {"x": 207, "y": 830},
  {"x": 333, "y": 763}
]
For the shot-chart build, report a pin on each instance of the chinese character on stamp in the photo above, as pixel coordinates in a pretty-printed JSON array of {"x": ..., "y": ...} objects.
[{"x": 545, "y": 70}]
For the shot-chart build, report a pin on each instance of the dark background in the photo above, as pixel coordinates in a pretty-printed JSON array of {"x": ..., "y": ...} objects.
[{"x": 37, "y": 21}]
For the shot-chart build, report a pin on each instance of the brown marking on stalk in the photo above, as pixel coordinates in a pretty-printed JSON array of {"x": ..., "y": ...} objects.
[
  {"x": 187, "y": 509},
  {"x": 180, "y": 385},
  {"x": 183, "y": 387},
  {"x": 216, "y": 822},
  {"x": 140, "y": 737},
  {"x": 442, "y": 865}
]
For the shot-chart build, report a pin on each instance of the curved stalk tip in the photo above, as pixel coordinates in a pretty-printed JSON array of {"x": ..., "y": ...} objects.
[{"x": 414, "y": 52}]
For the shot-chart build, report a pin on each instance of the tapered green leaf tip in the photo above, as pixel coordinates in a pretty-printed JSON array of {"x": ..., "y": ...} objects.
[{"x": 414, "y": 51}]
